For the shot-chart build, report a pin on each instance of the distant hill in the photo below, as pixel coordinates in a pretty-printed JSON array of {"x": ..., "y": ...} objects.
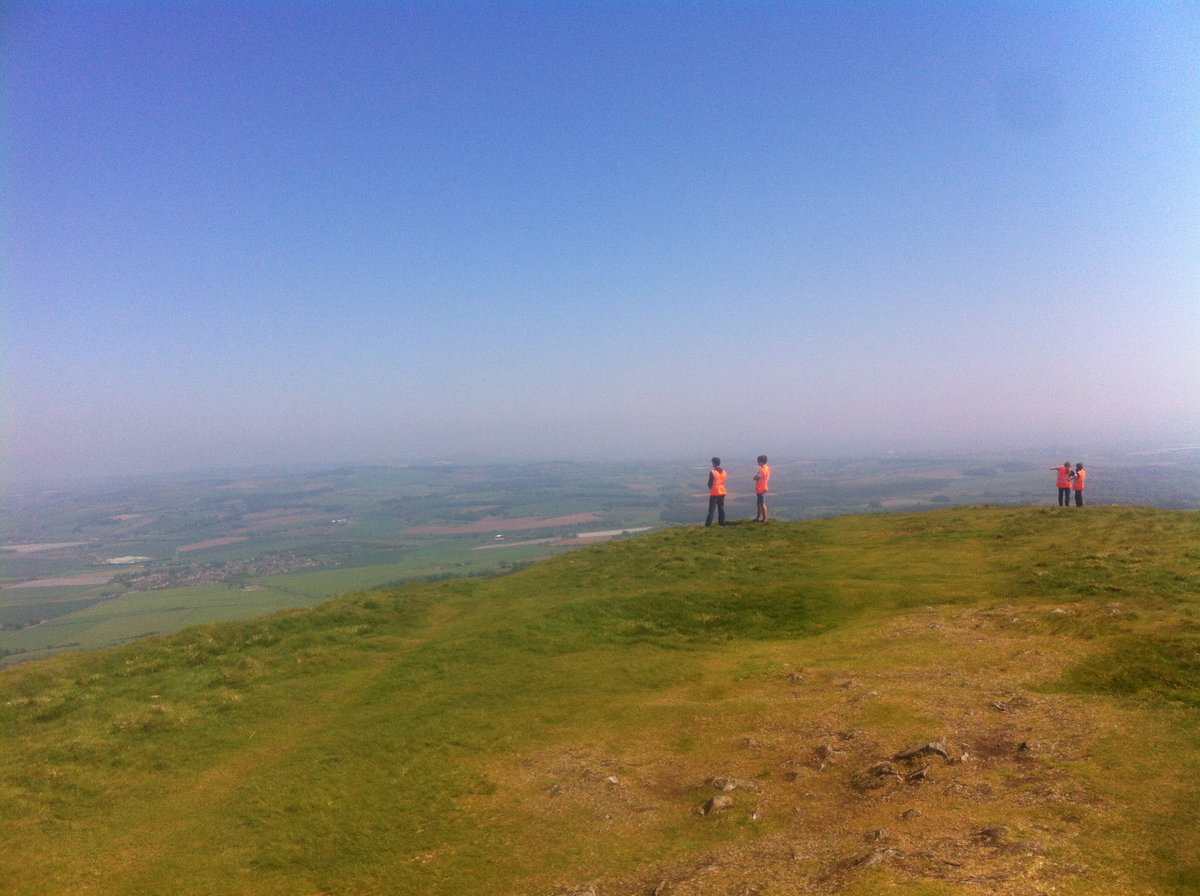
[{"x": 962, "y": 701}]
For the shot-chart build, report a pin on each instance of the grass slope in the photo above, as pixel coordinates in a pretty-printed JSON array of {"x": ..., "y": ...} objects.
[{"x": 560, "y": 730}]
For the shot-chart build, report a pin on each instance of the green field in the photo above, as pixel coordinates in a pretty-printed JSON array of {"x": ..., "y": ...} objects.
[{"x": 967, "y": 701}]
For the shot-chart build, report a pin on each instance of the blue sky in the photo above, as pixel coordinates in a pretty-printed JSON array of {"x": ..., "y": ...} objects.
[{"x": 268, "y": 233}]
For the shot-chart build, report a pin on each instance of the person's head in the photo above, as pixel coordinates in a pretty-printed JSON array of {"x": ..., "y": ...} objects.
[
  {"x": 1067, "y": 464},
  {"x": 762, "y": 458},
  {"x": 1078, "y": 467},
  {"x": 716, "y": 461}
]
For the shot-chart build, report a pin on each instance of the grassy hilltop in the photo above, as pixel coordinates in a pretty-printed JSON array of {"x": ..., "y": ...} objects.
[{"x": 965, "y": 701}]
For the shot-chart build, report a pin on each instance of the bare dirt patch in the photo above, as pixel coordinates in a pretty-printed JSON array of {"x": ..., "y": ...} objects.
[
  {"x": 213, "y": 543},
  {"x": 833, "y": 792},
  {"x": 62, "y": 582},
  {"x": 35, "y": 548}
]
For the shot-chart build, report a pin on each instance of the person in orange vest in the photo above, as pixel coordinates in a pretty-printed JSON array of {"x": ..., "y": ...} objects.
[
  {"x": 1064, "y": 484},
  {"x": 762, "y": 482},
  {"x": 716, "y": 493},
  {"x": 1078, "y": 479}
]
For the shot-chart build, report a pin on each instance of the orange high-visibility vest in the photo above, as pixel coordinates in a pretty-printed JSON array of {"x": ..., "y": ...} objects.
[
  {"x": 764, "y": 478},
  {"x": 718, "y": 483},
  {"x": 1079, "y": 478},
  {"x": 1064, "y": 477}
]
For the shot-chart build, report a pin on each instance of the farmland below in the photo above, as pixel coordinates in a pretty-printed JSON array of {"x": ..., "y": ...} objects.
[{"x": 103, "y": 564}]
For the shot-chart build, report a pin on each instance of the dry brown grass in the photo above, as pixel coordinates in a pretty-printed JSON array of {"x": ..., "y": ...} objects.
[{"x": 811, "y": 734}]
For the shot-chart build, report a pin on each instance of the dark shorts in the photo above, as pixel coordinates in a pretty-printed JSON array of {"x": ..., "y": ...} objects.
[{"x": 762, "y": 498}]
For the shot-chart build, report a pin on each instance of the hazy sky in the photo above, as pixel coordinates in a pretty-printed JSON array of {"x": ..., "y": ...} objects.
[{"x": 261, "y": 232}]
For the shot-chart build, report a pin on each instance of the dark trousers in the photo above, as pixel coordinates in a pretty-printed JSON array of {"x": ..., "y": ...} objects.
[
  {"x": 1079, "y": 497},
  {"x": 717, "y": 503},
  {"x": 1064, "y": 497}
]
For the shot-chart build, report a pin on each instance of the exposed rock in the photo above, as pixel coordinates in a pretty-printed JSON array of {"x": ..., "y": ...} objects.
[
  {"x": 910, "y": 814},
  {"x": 878, "y": 775},
  {"x": 933, "y": 746},
  {"x": 921, "y": 774},
  {"x": 719, "y": 803}
]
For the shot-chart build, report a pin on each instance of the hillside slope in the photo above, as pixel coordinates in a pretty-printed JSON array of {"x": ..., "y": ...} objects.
[{"x": 979, "y": 700}]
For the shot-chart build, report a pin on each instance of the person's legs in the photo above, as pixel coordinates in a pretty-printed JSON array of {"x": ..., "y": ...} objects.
[
  {"x": 721, "y": 510},
  {"x": 1079, "y": 498},
  {"x": 712, "y": 506}
]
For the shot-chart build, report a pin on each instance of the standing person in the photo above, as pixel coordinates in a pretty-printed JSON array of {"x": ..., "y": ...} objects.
[
  {"x": 1078, "y": 481},
  {"x": 716, "y": 493},
  {"x": 762, "y": 482},
  {"x": 1064, "y": 484}
]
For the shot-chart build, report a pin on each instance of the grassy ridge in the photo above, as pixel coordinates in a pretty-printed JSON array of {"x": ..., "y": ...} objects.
[{"x": 556, "y": 729}]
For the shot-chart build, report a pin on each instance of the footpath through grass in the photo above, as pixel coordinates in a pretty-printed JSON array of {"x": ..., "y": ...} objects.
[{"x": 559, "y": 730}]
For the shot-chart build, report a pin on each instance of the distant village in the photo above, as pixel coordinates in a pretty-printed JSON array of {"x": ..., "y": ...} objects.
[{"x": 229, "y": 572}]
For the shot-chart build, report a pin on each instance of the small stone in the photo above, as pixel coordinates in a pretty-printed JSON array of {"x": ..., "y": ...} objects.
[
  {"x": 719, "y": 803},
  {"x": 932, "y": 746},
  {"x": 921, "y": 774},
  {"x": 876, "y": 776}
]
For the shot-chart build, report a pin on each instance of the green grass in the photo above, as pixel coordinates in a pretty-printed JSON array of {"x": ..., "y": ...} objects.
[{"x": 459, "y": 737}]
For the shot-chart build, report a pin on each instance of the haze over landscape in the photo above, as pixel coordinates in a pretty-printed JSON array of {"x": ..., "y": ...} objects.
[{"x": 245, "y": 234}]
